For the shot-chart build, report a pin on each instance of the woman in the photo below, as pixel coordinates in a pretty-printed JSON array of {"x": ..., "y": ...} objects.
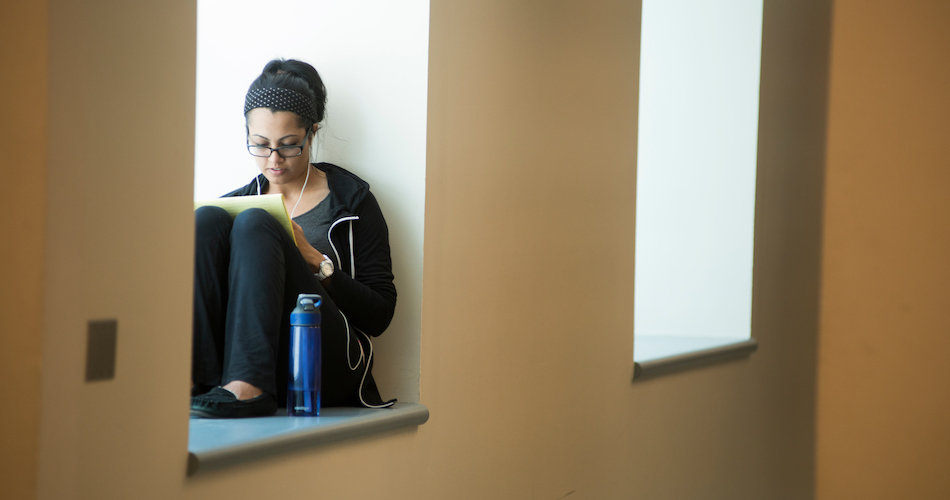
[{"x": 248, "y": 272}]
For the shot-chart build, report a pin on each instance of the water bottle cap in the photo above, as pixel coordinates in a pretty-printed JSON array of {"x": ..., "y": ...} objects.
[{"x": 307, "y": 311}]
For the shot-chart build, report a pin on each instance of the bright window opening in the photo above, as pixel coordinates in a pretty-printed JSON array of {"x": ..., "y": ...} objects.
[
  {"x": 373, "y": 58},
  {"x": 698, "y": 127}
]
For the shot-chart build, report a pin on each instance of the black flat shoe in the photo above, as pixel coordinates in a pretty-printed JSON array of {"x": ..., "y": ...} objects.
[
  {"x": 222, "y": 403},
  {"x": 199, "y": 389}
]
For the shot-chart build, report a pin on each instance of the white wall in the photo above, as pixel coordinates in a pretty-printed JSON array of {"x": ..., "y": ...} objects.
[
  {"x": 699, "y": 99},
  {"x": 373, "y": 58}
]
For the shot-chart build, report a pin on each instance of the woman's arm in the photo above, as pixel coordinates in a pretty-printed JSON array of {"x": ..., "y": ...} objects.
[
  {"x": 310, "y": 254},
  {"x": 369, "y": 300}
]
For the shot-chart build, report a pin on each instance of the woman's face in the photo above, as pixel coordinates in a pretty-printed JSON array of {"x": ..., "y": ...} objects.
[{"x": 274, "y": 129}]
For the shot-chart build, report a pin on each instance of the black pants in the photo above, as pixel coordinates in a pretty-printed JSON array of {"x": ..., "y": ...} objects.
[{"x": 248, "y": 273}]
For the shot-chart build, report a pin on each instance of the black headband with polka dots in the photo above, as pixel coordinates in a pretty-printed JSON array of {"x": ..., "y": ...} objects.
[{"x": 281, "y": 99}]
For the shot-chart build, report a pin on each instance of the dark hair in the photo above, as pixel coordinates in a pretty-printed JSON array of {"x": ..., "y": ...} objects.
[{"x": 299, "y": 77}]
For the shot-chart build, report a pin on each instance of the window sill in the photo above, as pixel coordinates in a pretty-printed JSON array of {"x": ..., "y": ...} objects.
[
  {"x": 214, "y": 444},
  {"x": 658, "y": 355}
]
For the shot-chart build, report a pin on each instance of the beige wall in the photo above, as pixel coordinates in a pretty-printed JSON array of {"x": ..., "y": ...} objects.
[
  {"x": 532, "y": 117},
  {"x": 118, "y": 243},
  {"x": 531, "y": 162},
  {"x": 884, "y": 404},
  {"x": 23, "y": 125}
]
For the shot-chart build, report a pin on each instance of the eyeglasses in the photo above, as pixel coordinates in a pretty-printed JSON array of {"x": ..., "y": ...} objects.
[{"x": 282, "y": 151}]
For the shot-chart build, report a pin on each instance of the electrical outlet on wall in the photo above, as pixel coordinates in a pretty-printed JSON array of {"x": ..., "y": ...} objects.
[{"x": 100, "y": 350}]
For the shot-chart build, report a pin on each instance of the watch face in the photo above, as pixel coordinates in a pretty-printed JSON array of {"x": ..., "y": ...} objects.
[{"x": 326, "y": 268}]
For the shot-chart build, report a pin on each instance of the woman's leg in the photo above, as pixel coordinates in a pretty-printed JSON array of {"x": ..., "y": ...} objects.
[
  {"x": 256, "y": 278},
  {"x": 212, "y": 256},
  {"x": 266, "y": 273},
  {"x": 339, "y": 383}
]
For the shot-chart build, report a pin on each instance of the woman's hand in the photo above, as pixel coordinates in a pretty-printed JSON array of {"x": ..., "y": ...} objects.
[{"x": 310, "y": 254}]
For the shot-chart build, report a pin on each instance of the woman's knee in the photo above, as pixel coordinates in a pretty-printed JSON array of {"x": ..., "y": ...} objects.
[
  {"x": 211, "y": 220},
  {"x": 254, "y": 221}
]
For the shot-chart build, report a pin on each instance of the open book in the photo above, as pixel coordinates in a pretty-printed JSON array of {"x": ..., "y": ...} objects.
[{"x": 270, "y": 203}]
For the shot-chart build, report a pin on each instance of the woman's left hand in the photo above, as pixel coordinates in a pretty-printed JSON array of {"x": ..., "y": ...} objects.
[{"x": 310, "y": 254}]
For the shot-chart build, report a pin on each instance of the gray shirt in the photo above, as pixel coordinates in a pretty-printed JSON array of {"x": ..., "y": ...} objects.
[{"x": 316, "y": 225}]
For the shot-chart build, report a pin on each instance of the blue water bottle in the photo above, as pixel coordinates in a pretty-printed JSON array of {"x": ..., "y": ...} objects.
[{"x": 303, "y": 382}]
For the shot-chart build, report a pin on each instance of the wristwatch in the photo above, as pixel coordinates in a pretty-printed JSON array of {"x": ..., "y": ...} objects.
[{"x": 325, "y": 269}]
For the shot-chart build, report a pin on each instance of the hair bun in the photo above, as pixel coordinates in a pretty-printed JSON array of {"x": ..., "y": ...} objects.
[{"x": 294, "y": 75}]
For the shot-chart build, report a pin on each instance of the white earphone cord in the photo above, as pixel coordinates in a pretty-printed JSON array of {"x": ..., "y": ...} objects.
[{"x": 300, "y": 197}]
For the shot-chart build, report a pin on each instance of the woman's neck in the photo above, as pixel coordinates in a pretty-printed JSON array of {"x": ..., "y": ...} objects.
[{"x": 303, "y": 193}]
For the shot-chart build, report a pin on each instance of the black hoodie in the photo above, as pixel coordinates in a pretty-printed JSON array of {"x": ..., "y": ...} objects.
[
  {"x": 367, "y": 296},
  {"x": 362, "y": 284}
]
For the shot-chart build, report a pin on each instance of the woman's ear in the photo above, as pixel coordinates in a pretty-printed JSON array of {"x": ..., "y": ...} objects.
[{"x": 312, "y": 142}]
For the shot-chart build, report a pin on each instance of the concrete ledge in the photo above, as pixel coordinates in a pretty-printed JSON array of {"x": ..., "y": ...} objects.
[
  {"x": 668, "y": 364},
  {"x": 214, "y": 444}
]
